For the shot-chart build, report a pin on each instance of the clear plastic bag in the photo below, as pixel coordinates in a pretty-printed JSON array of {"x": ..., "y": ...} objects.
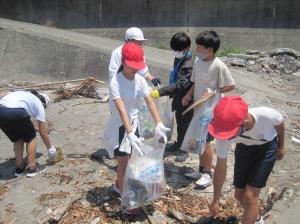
[
  {"x": 195, "y": 137},
  {"x": 147, "y": 124},
  {"x": 144, "y": 179},
  {"x": 166, "y": 115}
]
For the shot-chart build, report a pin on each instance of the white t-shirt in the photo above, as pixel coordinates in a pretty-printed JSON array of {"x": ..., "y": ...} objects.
[
  {"x": 26, "y": 100},
  {"x": 263, "y": 130},
  {"x": 116, "y": 61},
  {"x": 131, "y": 92},
  {"x": 212, "y": 74}
]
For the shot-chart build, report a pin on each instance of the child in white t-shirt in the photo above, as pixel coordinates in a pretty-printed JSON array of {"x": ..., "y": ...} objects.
[
  {"x": 126, "y": 90},
  {"x": 16, "y": 108},
  {"x": 209, "y": 72},
  {"x": 259, "y": 137}
]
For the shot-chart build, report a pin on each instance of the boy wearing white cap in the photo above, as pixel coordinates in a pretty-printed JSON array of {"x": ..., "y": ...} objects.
[
  {"x": 16, "y": 108},
  {"x": 134, "y": 35}
]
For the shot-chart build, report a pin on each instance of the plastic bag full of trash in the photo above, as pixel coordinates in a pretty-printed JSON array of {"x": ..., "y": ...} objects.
[{"x": 144, "y": 179}]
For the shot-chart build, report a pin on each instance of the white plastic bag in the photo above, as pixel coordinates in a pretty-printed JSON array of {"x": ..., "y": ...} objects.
[
  {"x": 195, "y": 137},
  {"x": 144, "y": 179}
]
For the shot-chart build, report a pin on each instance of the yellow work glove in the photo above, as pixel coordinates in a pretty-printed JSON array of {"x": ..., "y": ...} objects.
[{"x": 154, "y": 94}]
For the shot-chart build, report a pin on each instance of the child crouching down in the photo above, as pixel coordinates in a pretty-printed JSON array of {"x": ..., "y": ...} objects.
[{"x": 126, "y": 91}]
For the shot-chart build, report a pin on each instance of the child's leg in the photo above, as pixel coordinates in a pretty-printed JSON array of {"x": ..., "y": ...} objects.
[
  {"x": 31, "y": 153},
  {"x": 122, "y": 165},
  {"x": 18, "y": 149},
  {"x": 206, "y": 158}
]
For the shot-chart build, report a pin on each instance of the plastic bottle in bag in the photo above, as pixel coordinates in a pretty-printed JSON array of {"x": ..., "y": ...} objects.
[{"x": 146, "y": 122}]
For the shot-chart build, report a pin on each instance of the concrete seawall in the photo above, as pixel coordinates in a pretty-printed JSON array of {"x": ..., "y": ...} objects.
[
  {"x": 61, "y": 54},
  {"x": 247, "y": 24}
]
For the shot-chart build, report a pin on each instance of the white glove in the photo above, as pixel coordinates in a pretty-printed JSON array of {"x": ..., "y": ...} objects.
[
  {"x": 160, "y": 131},
  {"x": 52, "y": 152},
  {"x": 135, "y": 142}
]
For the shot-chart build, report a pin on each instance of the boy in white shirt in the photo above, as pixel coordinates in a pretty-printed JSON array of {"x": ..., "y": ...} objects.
[
  {"x": 209, "y": 72},
  {"x": 134, "y": 35},
  {"x": 259, "y": 137},
  {"x": 16, "y": 108}
]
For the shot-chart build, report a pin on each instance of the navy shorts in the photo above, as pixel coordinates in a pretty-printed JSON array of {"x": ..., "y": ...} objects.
[
  {"x": 16, "y": 124},
  {"x": 117, "y": 152},
  {"x": 253, "y": 164}
]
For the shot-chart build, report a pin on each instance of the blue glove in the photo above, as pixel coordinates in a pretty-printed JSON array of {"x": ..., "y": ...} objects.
[{"x": 156, "y": 81}]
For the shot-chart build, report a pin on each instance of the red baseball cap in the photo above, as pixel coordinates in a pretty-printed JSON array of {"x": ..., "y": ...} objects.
[
  {"x": 133, "y": 55},
  {"x": 229, "y": 115}
]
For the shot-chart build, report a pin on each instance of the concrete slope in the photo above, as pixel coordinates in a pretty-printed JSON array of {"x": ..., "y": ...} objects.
[{"x": 61, "y": 53}]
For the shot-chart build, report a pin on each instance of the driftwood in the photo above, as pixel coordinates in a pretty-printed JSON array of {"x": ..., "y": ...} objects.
[
  {"x": 45, "y": 85},
  {"x": 200, "y": 101},
  {"x": 61, "y": 212}
]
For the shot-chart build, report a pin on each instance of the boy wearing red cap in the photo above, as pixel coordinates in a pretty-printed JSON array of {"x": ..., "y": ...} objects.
[
  {"x": 126, "y": 90},
  {"x": 209, "y": 72},
  {"x": 259, "y": 137}
]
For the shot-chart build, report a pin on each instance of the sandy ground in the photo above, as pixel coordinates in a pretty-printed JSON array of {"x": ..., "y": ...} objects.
[{"x": 78, "y": 128}]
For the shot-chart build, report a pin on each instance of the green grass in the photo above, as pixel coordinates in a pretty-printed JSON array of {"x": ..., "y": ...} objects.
[{"x": 229, "y": 49}]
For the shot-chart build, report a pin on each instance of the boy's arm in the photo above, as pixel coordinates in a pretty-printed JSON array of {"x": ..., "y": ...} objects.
[
  {"x": 44, "y": 134},
  {"x": 226, "y": 89},
  {"x": 187, "y": 98},
  {"x": 123, "y": 114},
  {"x": 280, "y": 130},
  {"x": 167, "y": 90}
]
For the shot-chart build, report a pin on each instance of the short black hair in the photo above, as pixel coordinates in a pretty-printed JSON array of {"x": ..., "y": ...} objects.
[
  {"x": 180, "y": 41},
  {"x": 41, "y": 98},
  {"x": 209, "y": 39}
]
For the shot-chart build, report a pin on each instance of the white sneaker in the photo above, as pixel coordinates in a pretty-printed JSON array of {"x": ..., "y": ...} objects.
[
  {"x": 204, "y": 181},
  {"x": 182, "y": 157},
  {"x": 260, "y": 221}
]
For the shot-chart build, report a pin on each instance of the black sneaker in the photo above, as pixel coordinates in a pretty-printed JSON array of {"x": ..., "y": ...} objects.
[
  {"x": 37, "y": 169},
  {"x": 18, "y": 172}
]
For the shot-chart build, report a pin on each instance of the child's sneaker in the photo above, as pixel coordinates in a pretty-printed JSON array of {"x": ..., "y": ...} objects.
[
  {"x": 18, "y": 172},
  {"x": 204, "y": 181},
  {"x": 37, "y": 169}
]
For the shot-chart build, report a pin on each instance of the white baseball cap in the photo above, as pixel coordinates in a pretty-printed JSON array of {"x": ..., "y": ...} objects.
[
  {"x": 46, "y": 97},
  {"x": 134, "y": 33}
]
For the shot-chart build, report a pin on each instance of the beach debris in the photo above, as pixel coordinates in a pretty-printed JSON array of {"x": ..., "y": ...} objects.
[
  {"x": 295, "y": 140},
  {"x": 87, "y": 88},
  {"x": 3, "y": 190}
]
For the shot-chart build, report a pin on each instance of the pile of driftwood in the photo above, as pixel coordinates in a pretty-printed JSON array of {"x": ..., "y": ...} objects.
[{"x": 88, "y": 87}]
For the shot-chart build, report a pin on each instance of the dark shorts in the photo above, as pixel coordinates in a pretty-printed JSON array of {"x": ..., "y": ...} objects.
[
  {"x": 117, "y": 152},
  {"x": 253, "y": 164},
  {"x": 16, "y": 124}
]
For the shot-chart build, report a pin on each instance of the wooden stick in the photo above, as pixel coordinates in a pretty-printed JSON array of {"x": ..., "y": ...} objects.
[
  {"x": 53, "y": 83},
  {"x": 200, "y": 101}
]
